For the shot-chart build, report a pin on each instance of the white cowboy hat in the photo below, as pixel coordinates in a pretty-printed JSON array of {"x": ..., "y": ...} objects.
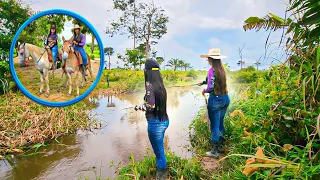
[
  {"x": 214, "y": 53},
  {"x": 76, "y": 27}
]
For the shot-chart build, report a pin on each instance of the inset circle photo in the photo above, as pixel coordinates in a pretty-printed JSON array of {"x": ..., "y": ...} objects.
[{"x": 56, "y": 58}]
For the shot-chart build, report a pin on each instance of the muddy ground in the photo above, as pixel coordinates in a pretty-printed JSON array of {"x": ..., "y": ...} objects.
[{"x": 30, "y": 78}]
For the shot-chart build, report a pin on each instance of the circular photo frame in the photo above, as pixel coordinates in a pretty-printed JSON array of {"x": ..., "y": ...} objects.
[{"x": 15, "y": 76}]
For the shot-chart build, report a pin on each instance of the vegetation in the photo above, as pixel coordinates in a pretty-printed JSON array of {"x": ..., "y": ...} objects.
[
  {"x": 145, "y": 22},
  {"x": 122, "y": 80},
  {"x": 32, "y": 123}
]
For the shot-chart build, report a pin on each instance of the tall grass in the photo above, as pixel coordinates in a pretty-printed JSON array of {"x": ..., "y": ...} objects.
[
  {"x": 278, "y": 121},
  {"x": 25, "y": 123}
]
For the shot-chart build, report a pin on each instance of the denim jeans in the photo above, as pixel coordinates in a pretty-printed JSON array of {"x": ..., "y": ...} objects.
[
  {"x": 156, "y": 131},
  {"x": 54, "y": 51},
  {"x": 83, "y": 54},
  {"x": 217, "y": 107}
]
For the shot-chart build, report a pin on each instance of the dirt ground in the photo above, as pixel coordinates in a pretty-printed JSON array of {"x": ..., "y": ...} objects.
[{"x": 30, "y": 79}]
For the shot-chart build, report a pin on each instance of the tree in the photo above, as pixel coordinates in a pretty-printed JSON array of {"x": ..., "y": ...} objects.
[
  {"x": 303, "y": 43},
  {"x": 241, "y": 62},
  {"x": 160, "y": 60},
  {"x": 257, "y": 64},
  {"x": 13, "y": 15},
  {"x": 251, "y": 68},
  {"x": 109, "y": 51},
  {"x": 133, "y": 58},
  {"x": 152, "y": 24},
  {"x": 127, "y": 23},
  {"x": 181, "y": 64},
  {"x": 186, "y": 66},
  {"x": 174, "y": 63}
]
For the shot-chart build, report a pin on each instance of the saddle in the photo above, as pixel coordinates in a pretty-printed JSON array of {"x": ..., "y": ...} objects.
[{"x": 79, "y": 58}]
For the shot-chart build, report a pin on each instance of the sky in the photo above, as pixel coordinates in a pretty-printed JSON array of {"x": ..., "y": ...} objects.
[{"x": 194, "y": 27}]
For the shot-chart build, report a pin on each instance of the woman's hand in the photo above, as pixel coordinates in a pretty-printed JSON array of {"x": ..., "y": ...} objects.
[
  {"x": 200, "y": 84},
  {"x": 75, "y": 42},
  {"x": 203, "y": 93}
]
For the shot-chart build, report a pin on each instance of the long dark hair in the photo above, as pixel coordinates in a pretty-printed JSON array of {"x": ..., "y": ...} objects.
[
  {"x": 220, "y": 80},
  {"x": 75, "y": 35},
  {"x": 154, "y": 77}
]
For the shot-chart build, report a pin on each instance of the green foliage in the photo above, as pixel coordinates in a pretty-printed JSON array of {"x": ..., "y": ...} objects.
[
  {"x": 274, "y": 119},
  {"x": 133, "y": 58},
  {"x": 177, "y": 167},
  {"x": 144, "y": 22},
  {"x": 130, "y": 80}
]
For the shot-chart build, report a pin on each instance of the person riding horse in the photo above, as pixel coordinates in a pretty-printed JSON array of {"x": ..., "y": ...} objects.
[
  {"x": 79, "y": 41},
  {"x": 52, "y": 44}
]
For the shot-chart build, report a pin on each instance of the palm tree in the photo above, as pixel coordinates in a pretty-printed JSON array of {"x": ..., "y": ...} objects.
[
  {"x": 257, "y": 64},
  {"x": 240, "y": 63},
  {"x": 181, "y": 64},
  {"x": 174, "y": 63},
  {"x": 109, "y": 51},
  {"x": 186, "y": 66}
]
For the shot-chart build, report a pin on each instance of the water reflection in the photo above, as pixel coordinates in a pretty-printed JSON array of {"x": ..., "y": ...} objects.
[{"x": 125, "y": 133}]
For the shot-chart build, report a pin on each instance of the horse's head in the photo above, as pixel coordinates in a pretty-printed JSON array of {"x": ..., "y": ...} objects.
[
  {"x": 23, "y": 53},
  {"x": 66, "y": 48}
]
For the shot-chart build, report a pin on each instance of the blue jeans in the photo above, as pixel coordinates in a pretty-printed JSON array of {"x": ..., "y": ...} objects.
[
  {"x": 217, "y": 107},
  {"x": 54, "y": 51},
  {"x": 156, "y": 130},
  {"x": 83, "y": 54}
]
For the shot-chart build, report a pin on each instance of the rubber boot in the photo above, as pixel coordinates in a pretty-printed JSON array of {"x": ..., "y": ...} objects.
[
  {"x": 214, "y": 150},
  {"x": 161, "y": 174},
  {"x": 220, "y": 146}
]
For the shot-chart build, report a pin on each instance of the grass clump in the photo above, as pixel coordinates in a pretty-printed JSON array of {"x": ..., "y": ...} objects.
[
  {"x": 177, "y": 168},
  {"x": 25, "y": 123}
]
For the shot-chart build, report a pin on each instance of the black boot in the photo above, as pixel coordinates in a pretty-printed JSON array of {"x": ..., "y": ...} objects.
[
  {"x": 220, "y": 146},
  {"x": 214, "y": 150},
  {"x": 161, "y": 174},
  {"x": 84, "y": 70}
]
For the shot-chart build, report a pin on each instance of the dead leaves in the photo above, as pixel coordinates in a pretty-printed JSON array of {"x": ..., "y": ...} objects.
[{"x": 254, "y": 164}]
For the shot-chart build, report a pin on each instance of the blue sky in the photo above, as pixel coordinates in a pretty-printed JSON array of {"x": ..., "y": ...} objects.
[{"x": 194, "y": 27}]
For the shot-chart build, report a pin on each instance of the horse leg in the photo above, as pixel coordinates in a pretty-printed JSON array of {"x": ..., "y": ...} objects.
[
  {"x": 70, "y": 84},
  {"x": 90, "y": 70},
  {"x": 41, "y": 84},
  {"x": 77, "y": 83},
  {"x": 46, "y": 76}
]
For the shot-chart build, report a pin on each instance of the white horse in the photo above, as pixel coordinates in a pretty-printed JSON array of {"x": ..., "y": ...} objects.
[{"x": 40, "y": 57}]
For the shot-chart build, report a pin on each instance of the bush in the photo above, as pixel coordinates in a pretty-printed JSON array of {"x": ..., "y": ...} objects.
[
  {"x": 92, "y": 56},
  {"x": 192, "y": 74}
]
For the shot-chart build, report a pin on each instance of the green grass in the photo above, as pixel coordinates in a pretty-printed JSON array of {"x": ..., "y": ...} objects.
[{"x": 128, "y": 80}]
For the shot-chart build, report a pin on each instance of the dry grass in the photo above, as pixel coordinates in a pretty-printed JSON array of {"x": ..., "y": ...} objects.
[{"x": 24, "y": 122}]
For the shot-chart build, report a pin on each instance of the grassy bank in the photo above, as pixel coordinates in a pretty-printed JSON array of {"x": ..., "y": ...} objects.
[
  {"x": 271, "y": 134},
  {"x": 25, "y": 123},
  {"x": 121, "y": 80}
]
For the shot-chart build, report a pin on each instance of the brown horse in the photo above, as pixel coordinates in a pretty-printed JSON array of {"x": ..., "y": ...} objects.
[{"x": 72, "y": 65}]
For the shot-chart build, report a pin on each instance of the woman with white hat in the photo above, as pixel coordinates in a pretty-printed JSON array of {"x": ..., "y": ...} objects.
[
  {"x": 79, "y": 41},
  {"x": 218, "y": 101}
]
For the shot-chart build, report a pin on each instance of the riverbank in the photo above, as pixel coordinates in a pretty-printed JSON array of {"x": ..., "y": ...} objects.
[
  {"x": 270, "y": 135},
  {"x": 25, "y": 123},
  {"x": 117, "y": 81},
  {"x": 31, "y": 123}
]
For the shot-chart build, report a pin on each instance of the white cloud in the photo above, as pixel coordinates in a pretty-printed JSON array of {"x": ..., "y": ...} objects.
[{"x": 185, "y": 17}]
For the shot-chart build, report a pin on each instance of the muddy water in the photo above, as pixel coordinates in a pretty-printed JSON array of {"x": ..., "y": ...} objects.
[{"x": 88, "y": 154}]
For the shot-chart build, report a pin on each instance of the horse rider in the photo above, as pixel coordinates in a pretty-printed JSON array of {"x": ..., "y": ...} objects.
[{"x": 52, "y": 43}]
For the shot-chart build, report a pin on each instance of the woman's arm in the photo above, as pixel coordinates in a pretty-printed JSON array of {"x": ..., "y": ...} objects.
[
  {"x": 209, "y": 81},
  {"x": 150, "y": 100},
  {"x": 83, "y": 40}
]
